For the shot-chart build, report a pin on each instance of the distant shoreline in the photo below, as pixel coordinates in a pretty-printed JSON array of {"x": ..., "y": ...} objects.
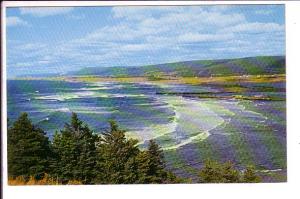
[
  {"x": 166, "y": 79},
  {"x": 231, "y": 86}
]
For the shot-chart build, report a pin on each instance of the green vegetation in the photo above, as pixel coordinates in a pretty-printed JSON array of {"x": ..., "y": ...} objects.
[
  {"x": 260, "y": 65},
  {"x": 78, "y": 156},
  {"x": 214, "y": 172},
  {"x": 75, "y": 152},
  {"x": 28, "y": 149}
]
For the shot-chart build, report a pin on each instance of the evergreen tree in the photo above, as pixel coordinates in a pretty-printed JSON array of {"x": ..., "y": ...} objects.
[
  {"x": 214, "y": 172},
  {"x": 116, "y": 157},
  {"x": 28, "y": 149},
  {"x": 156, "y": 163},
  {"x": 249, "y": 176},
  {"x": 229, "y": 173},
  {"x": 75, "y": 149},
  {"x": 151, "y": 166},
  {"x": 143, "y": 168}
]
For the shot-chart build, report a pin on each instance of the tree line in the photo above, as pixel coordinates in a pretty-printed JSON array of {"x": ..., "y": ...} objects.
[{"x": 77, "y": 155}]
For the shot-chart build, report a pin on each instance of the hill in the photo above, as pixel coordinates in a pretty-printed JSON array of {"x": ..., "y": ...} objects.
[{"x": 261, "y": 65}]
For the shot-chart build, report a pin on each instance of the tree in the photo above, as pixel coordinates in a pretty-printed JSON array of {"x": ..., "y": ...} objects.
[
  {"x": 116, "y": 156},
  {"x": 214, "y": 172},
  {"x": 151, "y": 166},
  {"x": 75, "y": 149},
  {"x": 249, "y": 176},
  {"x": 28, "y": 150},
  {"x": 156, "y": 163},
  {"x": 229, "y": 174}
]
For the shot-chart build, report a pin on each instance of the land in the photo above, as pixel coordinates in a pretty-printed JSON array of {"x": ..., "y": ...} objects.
[
  {"x": 231, "y": 87},
  {"x": 250, "y": 78}
]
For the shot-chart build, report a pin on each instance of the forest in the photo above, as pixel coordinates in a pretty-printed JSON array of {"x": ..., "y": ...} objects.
[{"x": 77, "y": 155}]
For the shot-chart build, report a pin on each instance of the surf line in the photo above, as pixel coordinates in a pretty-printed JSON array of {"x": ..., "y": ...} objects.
[{"x": 201, "y": 135}]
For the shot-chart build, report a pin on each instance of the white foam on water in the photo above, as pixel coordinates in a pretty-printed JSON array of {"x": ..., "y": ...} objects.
[
  {"x": 270, "y": 170},
  {"x": 194, "y": 117},
  {"x": 155, "y": 131},
  {"x": 108, "y": 85},
  {"x": 252, "y": 112},
  {"x": 66, "y": 96},
  {"x": 87, "y": 110},
  {"x": 125, "y": 95},
  {"x": 199, "y": 137},
  {"x": 93, "y": 88},
  {"x": 64, "y": 110}
]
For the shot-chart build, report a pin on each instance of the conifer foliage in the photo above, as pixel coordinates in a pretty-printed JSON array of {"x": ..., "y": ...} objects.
[
  {"x": 214, "y": 172},
  {"x": 28, "y": 149},
  {"x": 77, "y": 155},
  {"x": 75, "y": 150}
]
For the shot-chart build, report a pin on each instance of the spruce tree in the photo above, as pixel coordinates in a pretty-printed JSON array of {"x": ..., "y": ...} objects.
[
  {"x": 156, "y": 163},
  {"x": 116, "y": 156},
  {"x": 151, "y": 166},
  {"x": 214, "y": 172},
  {"x": 249, "y": 175},
  {"x": 75, "y": 149},
  {"x": 28, "y": 149}
]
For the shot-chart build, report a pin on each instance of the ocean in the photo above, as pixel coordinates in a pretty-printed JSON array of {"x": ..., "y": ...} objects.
[{"x": 189, "y": 129}]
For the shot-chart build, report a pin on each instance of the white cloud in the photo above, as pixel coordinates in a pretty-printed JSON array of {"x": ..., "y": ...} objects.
[
  {"x": 15, "y": 21},
  {"x": 45, "y": 11},
  {"x": 256, "y": 27},
  {"x": 161, "y": 34},
  {"x": 196, "y": 37},
  {"x": 135, "y": 47},
  {"x": 154, "y": 30}
]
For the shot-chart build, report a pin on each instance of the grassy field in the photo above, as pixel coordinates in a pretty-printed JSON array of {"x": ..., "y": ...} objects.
[{"x": 171, "y": 79}]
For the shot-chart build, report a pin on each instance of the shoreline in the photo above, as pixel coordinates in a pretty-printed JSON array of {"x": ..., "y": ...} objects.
[{"x": 167, "y": 79}]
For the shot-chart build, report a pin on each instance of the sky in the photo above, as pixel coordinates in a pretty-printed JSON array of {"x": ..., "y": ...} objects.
[{"x": 61, "y": 39}]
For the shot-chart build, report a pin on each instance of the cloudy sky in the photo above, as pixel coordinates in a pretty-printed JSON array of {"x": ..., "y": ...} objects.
[{"x": 61, "y": 39}]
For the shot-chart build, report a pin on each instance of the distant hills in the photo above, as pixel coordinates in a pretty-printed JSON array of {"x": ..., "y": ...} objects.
[{"x": 224, "y": 67}]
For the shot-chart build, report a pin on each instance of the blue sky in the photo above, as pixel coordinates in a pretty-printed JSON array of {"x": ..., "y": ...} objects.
[{"x": 62, "y": 39}]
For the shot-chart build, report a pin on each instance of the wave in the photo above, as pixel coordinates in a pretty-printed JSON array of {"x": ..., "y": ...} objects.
[
  {"x": 199, "y": 137},
  {"x": 193, "y": 121},
  {"x": 85, "y": 94},
  {"x": 125, "y": 95},
  {"x": 155, "y": 131},
  {"x": 256, "y": 114},
  {"x": 93, "y": 88},
  {"x": 86, "y": 110},
  {"x": 64, "y": 110},
  {"x": 66, "y": 96},
  {"x": 269, "y": 170}
]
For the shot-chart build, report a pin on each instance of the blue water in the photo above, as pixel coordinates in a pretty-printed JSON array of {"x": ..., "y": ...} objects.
[
  {"x": 50, "y": 103},
  {"x": 245, "y": 132}
]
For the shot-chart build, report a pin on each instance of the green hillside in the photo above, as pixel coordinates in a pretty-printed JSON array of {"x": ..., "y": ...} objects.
[{"x": 224, "y": 67}]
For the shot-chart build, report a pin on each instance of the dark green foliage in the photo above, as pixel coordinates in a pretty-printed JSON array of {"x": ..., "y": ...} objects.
[
  {"x": 151, "y": 166},
  {"x": 78, "y": 155},
  {"x": 249, "y": 176},
  {"x": 121, "y": 162},
  {"x": 75, "y": 149},
  {"x": 116, "y": 156},
  {"x": 223, "y": 67},
  {"x": 214, "y": 172},
  {"x": 156, "y": 163},
  {"x": 28, "y": 150}
]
